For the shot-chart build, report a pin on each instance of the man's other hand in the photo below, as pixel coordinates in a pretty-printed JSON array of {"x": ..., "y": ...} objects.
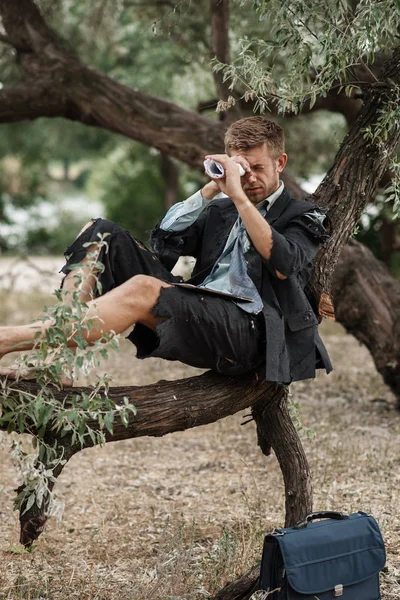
[{"x": 230, "y": 184}]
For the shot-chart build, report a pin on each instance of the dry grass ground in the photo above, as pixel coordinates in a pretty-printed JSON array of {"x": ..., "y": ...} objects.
[{"x": 175, "y": 518}]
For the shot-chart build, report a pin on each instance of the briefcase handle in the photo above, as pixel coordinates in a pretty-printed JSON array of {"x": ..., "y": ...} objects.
[{"x": 324, "y": 514}]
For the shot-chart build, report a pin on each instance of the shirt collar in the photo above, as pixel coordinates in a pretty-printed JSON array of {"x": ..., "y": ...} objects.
[{"x": 269, "y": 201}]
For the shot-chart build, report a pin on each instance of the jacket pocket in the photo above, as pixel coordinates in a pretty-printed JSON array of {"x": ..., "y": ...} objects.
[{"x": 301, "y": 320}]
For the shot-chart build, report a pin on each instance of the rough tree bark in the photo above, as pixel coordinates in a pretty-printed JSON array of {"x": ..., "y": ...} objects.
[
  {"x": 356, "y": 173},
  {"x": 169, "y": 406}
]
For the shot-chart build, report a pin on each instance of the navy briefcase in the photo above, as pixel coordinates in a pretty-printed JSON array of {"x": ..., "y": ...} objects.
[{"x": 339, "y": 557}]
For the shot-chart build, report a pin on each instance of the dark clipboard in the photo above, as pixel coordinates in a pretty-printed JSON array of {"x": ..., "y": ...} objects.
[{"x": 204, "y": 290}]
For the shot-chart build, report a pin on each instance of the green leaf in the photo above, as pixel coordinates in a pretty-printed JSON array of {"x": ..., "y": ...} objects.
[
  {"x": 108, "y": 420},
  {"x": 92, "y": 436},
  {"x": 21, "y": 422},
  {"x": 42, "y": 452},
  {"x": 29, "y": 503},
  {"x": 124, "y": 418}
]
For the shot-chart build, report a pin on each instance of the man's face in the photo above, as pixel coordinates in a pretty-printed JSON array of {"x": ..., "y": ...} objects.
[{"x": 263, "y": 179}]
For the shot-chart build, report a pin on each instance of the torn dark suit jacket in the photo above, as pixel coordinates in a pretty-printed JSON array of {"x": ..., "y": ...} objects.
[{"x": 294, "y": 349}]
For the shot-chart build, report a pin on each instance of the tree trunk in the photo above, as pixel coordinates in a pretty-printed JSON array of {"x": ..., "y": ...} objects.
[
  {"x": 353, "y": 178},
  {"x": 242, "y": 588},
  {"x": 367, "y": 303},
  {"x": 274, "y": 425}
]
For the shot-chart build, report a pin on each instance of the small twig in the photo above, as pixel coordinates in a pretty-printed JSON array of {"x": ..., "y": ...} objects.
[
  {"x": 249, "y": 420},
  {"x": 305, "y": 25},
  {"x": 364, "y": 64},
  {"x": 172, "y": 10}
]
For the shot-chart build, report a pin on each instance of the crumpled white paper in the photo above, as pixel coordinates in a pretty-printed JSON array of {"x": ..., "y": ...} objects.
[{"x": 215, "y": 170}]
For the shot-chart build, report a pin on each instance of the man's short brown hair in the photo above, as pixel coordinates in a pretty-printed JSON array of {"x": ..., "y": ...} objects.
[{"x": 255, "y": 131}]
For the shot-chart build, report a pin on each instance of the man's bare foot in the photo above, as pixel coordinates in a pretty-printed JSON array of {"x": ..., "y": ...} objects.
[{"x": 20, "y": 374}]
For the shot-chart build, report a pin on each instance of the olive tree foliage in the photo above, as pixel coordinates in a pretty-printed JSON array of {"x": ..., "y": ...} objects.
[
  {"x": 314, "y": 48},
  {"x": 320, "y": 47}
]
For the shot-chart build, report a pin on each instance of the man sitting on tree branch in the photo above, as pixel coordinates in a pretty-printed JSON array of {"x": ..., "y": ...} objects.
[{"x": 245, "y": 305}]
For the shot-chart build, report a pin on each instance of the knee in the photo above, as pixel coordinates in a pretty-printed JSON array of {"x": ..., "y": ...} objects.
[
  {"x": 143, "y": 286},
  {"x": 106, "y": 226},
  {"x": 100, "y": 226},
  {"x": 86, "y": 227}
]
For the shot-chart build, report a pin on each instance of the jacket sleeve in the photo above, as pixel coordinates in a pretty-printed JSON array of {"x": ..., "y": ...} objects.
[
  {"x": 294, "y": 250},
  {"x": 170, "y": 245}
]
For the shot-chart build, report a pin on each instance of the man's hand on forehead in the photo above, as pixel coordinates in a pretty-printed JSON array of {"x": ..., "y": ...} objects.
[{"x": 241, "y": 160}]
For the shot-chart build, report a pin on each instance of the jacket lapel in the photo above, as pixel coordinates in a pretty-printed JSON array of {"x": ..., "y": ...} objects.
[{"x": 278, "y": 207}]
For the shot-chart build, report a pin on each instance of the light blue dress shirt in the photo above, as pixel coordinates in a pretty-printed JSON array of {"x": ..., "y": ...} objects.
[{"x": 229, "y": 274}]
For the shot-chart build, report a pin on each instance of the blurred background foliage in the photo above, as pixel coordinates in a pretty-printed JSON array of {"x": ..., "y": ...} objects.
[{"x": 55, "y": 174}]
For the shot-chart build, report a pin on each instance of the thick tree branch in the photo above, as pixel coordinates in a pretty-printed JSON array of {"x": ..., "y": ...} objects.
[
  {"x": 25, "y": 26},
  {"x": 80, "y": 93},
  {"x": 32, "y": 101},
  {"x": 367, "y": 305},
  {"x": 94, "y": 99},
  {"x": 170, "y": 406}
]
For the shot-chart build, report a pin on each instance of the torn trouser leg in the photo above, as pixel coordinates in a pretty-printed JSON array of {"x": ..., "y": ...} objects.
[
  {"x": 123, "y": 257},
  {"x": 203, "y": 331}
]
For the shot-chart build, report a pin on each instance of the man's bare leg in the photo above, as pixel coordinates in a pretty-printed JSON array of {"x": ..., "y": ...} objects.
[
  {"x": 130, "y": 303},
  {"x": 81, "y": 280}
]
